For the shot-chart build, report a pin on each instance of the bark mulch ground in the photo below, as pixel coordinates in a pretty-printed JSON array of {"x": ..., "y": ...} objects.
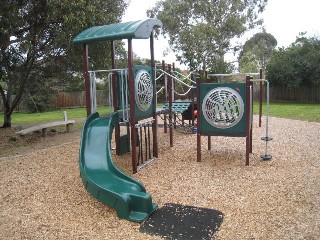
[{"x": 42, "y": 196}]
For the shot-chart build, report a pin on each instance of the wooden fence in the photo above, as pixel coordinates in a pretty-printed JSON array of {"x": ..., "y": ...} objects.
[
  {"x": 68, "y": 100},
  {"x": 301, "y": 94},
  {"x": 77, "y": 99}
]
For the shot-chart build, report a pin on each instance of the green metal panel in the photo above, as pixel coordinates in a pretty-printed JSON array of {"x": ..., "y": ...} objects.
[
  {"x": 136, "y": 30},
  {"x": 223, "y": 110},
  {"x": 143, "y": 92}
]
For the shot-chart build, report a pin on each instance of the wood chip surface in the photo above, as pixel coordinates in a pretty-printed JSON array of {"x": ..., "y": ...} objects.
[{"x": 42, "y": 196}]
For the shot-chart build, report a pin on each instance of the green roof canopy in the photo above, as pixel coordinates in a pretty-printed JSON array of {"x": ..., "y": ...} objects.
[{"x": 136, "y": 30}]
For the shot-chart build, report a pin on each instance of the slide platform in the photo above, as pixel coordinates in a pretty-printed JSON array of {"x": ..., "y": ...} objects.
[{"x": 103, "y": 179}]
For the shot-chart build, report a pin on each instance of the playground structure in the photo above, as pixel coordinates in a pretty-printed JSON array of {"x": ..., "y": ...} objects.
[{"x": 222, "y": 110}]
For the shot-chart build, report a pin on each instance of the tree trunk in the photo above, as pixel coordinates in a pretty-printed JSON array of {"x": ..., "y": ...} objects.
[{"x": 7, "y": 119}]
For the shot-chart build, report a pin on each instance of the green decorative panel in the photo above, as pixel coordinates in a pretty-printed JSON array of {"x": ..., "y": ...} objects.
[
  {"x": 144, "y": 91},
  {"x": 222, "y": 109}
]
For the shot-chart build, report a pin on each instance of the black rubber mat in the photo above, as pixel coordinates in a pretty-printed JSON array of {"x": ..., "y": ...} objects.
[{"x": 175, "y": 221}]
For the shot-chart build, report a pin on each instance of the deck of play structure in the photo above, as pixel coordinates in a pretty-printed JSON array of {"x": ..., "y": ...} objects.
[{"x": 222, "y": 109}]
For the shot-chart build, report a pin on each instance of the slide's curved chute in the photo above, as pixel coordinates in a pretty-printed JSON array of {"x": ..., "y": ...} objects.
[{"x": 103, "y": 179}]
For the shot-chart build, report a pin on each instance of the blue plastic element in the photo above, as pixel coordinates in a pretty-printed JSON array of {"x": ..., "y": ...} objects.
[{"x": 103, "y": 179}]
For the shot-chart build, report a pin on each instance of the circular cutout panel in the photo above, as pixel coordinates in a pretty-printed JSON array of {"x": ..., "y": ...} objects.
[
  {"x": 143, "y": 90},
  {"x": 222, "y": 107}
]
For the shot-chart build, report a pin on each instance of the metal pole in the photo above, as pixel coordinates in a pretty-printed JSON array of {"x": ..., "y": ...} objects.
[
  {"x": 115, "y": 97},
  {"x": 154, "y": 114},
  {"x": 86, "y": 77},
  {"x": 170, "y": 106},
  {"x": 198, "y": 80},
  {"x": 251, "y": 113},
  {"x": 247, "y": 119},
  {"x": 266, "y": 156},
  {"x": 132, "y": 107},
  {"x": 164, "y": 77},
  {"x": 192, "y": 107},
  {"x": 260, "y": 98},
  {"x": 174, "y": 95}
]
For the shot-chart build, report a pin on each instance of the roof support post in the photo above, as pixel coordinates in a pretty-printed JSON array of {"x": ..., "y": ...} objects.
[
  {"x": 199, "y": 112},
  {"x": 164, "y": 82},
  {"x": 248, "y": 113},
  {"x": 86, "y": 77},
  {"x": 115, "y": 96},
  {"x": 154, "y": 115},
  {"x": 132, "y": 107},
  {"x": 170, "y": 105}
]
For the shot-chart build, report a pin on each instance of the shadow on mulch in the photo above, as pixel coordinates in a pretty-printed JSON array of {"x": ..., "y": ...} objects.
[{"x": 175, "y": 221}]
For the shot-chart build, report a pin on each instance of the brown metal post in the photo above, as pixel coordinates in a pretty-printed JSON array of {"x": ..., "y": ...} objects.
[
  {"x": 165, "y": 126},
  {"x": 154, "y": 114},
  {"x": 251, "y": 114},
  {"x": 260, "y": 98},
  {"x": 192, "y": 106},
  {"x": 198, "y": 80},
  {"x": 247, "y": 119},
  {"x": 174, "y": 83},
  {"x": 206, "y": 76},
  {"x": 174, "y": 96},
  {"x": 170, "y": 106},
  {"x": 115, "y": 97},
  {"x": 132, "y": 107},
  {"x": 207, "y": 81},
  {"x": 86, "y": 77}
]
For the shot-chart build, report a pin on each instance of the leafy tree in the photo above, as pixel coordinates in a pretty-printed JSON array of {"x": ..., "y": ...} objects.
[
  {"x": 297, "y": 65},
  {"x": 35, "y": 42},
  {"x": 257, "y": 52},
  {"x": 200, "y": 31}
]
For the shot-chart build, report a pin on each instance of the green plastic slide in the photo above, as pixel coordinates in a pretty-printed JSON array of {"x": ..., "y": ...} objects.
[{"x": 103, "y": 179}]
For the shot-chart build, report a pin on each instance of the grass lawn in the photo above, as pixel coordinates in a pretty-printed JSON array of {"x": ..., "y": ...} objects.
[
  {"x": 298, "y": 111},
  {"x": 72, "y": 113}
]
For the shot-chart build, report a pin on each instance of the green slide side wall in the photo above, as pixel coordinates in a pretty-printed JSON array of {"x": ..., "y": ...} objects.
[{"x": 103, "y": 179}]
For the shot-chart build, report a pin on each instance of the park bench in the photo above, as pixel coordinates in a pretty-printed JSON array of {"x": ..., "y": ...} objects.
[{"x": 43, "y": 127}]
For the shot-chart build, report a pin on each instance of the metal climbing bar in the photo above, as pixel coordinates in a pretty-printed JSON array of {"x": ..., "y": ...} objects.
[
  {"x": 93, "y": 91},
  {"x": 145, "y": 151},
  {"x": 175, "y": 78},
  {"x": 231, "y": 74}
]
